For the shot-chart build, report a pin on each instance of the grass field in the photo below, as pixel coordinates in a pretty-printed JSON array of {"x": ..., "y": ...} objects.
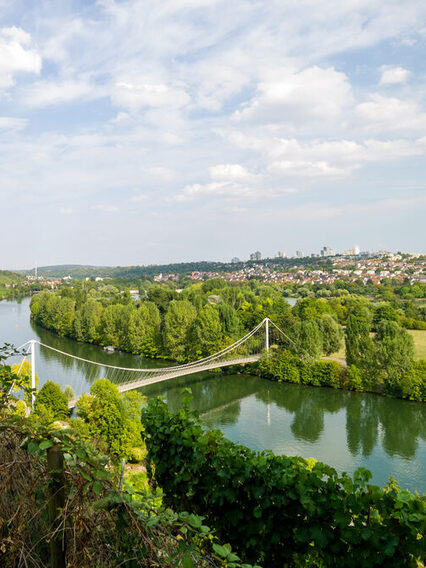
[{"x": 419, "y": 337}]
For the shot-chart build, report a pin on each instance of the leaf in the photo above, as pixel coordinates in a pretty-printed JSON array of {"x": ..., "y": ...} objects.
[
  {"x": 98, "y": 487},
  {"x": 86, "y": 476},
  {"x": 220, "y": 550},
  {"x": 32, "y": 447},
  {"x": 187, "y": 562},
  {"x": 81, "y": 454},
  {"x": 23, "y": 444},
  {"x": 45, "y": 444},
  {"x": 194, "y": 521}
]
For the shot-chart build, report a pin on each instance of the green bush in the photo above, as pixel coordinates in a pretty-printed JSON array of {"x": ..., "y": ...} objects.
[
  {"x": 278, "y": 510},
  {"x": 327, "y": 373},
  {"x": 51, "y": 402},
  {"x": 413, "y": 384}
]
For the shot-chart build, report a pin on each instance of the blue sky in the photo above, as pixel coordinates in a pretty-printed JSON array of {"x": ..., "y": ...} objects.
[{"x": 138, "y": 131}]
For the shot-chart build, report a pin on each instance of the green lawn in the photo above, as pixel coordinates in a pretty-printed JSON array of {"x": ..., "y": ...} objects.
[{"x": 418, "y": 335}]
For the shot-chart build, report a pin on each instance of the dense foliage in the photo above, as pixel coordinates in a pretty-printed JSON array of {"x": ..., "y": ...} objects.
[
  {"x": 51, "y": 402},
  {"x": 76, "y": 511},
  {"x": 277, "y": 510},
  {"x": 203, "y": 318}
]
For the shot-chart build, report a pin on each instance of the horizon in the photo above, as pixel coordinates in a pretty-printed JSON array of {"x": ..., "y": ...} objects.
[{"x": 363, "y": 254}]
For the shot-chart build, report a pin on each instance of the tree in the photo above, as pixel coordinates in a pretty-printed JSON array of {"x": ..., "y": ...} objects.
[
  {"x": 308, "y": 339},
  {"x": 112, "y": 418},
  {"x": 106, "y": 415},
  {"x": 206, "y": 333},
  {"x": 90, "y": 319},
  {"x": 178, "y": 320},
  {"x": 394, "y": 354},
  {"x": 331, "y": 334},
  {"x": 109, "y": 325},
  {"x": 229, "y": 320},
  {"x": 143, "y": 329},
  {"x": 359, "y": 345},
  {"x": 50, "y": 398},
  {"x": 384, "y": 311}
]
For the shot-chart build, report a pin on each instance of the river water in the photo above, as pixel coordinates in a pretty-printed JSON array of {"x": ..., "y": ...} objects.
[{"x": 344, "y": 429}]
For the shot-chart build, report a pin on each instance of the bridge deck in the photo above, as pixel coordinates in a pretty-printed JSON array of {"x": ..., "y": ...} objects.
[{"x": 179, "y": 373}]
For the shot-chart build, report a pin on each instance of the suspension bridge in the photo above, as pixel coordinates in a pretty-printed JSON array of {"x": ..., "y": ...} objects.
[{"x": 247, "y": 349}]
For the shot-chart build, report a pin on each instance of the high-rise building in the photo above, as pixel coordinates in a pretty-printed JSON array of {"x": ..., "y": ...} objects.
[
  {"x": 235, "y": 260},
  {"x": 299, "y": 254},
  {"x": 327, "y": 251},
  {"x": 281, "y": 254},
  {"x": 256, "y": 255}
]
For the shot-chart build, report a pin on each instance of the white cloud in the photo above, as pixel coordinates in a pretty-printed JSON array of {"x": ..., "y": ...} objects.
[
  {"x": 139, "y": 197},
  {"x": 394, "y": 75},
  {"x": 104, "y": 208},
  {"x": 12, "y": 123},
  {"x": 386, "y": 114},
  {"x": 288, "y": 96},
  {"x": 229, "y": 172},
  {"x": 52, "y": 92},
  {"x": 233, "y": 181},
  {"x": 16, "y": 55},
  {"x": 66, "y": 211},
  {"x": 136, "y": 95}
]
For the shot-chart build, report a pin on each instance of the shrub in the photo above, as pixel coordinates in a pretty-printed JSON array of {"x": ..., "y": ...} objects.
[
  {"x": 278, "y": 510},
  {"x": 327, "y": 373},
  {"x": 51, "y": 402},
  {"x": 413, "y": 384}
]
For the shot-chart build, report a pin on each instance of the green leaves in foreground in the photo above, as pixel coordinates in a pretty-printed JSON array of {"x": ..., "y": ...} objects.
[{"x": 278, "y": 510}]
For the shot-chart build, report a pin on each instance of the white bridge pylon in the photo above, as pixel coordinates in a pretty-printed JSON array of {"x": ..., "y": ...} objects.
[{"x": 247, "y": 349}]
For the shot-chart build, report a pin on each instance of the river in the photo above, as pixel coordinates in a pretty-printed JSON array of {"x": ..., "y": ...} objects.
[{"x": 344, "y": 429}]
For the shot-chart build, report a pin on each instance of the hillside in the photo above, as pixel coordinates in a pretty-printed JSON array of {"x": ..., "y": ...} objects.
[{"x": 8, "y": 277}]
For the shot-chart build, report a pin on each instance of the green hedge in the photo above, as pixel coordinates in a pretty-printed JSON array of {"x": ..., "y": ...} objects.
[{"x": 277, "y": 510}]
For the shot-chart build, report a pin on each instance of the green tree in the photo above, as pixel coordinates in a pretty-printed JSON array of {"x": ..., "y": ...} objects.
[
  {"x": 384, "y": 311},
  {"x": 50, "y": 398},
  {"x": 308, "y": 339},
  {"x": 178, "y": 320},
  {"x": 331, "y": 334},
  {"x": 110, "y": 334},
  {"x": 143, "y": 329},
  {"x": 394, "y": 354},
  {"x": 358, "y": 343},
  {"x": 105, "y": 413},
  {"x": 90, "y": 321},
  {"x": 229, "y": 320},
  {"x": 206, "y": 333}
]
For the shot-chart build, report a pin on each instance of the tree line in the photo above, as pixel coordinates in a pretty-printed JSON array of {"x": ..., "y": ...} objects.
[{"x": 205, "y": 317}]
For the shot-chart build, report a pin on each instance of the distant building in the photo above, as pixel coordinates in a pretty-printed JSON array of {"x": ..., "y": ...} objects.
[
  {"x": 256, "y": 255},
  {"x": 352, "y": 252},
  {"x": 235, "y": 260},
  {"x": 327, "y": 251},
  {"x": 299, "y": 254},
  {"x": 281, "y": 254}
]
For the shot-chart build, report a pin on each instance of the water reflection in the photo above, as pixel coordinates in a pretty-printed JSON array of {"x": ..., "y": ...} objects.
[{"x": 370, "y": 420}]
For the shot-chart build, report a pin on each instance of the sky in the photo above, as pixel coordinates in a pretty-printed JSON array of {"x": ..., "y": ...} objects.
[{"x": 144, "y": 132}]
